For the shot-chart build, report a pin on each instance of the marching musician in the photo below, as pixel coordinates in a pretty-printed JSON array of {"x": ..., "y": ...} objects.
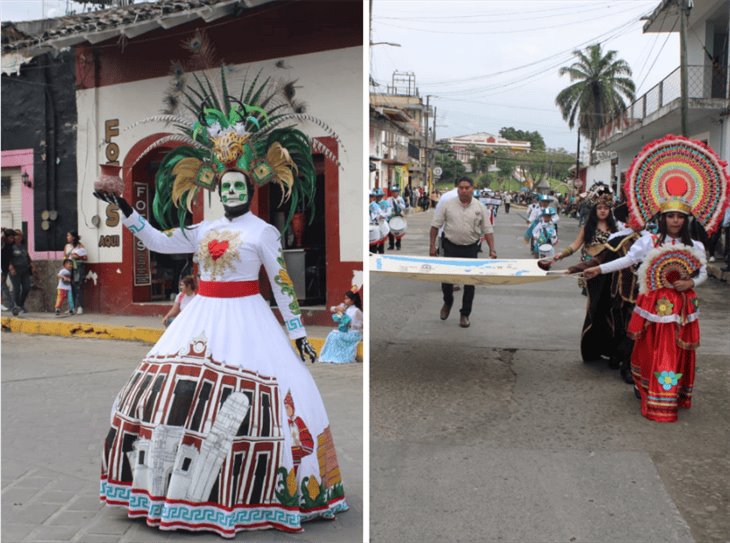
[{"x": 397, "y": 207}]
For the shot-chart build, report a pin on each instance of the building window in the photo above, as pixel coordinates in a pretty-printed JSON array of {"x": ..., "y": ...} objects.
[
  {"x": 186, "y": 464},
  {"x": 5, "y": 185},
  {"x": 140, "y": 458}
]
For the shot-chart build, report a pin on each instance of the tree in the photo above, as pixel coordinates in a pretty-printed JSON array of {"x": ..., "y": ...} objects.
[
  {"x": 602, "y": 86},
  {"x": 479, "y": 161},
  {"x": 506, "y": 163},
  {"x": 451, "y": 166},
  {"x": 537, "y": 143}
]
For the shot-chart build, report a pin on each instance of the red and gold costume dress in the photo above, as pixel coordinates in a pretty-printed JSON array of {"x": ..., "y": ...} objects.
[{"x": 666, "y": 332}]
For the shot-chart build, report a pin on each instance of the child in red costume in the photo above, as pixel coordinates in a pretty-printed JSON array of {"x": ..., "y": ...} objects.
[{"x": 664, "y": 323}]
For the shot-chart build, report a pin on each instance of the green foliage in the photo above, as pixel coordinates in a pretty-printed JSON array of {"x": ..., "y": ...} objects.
[
  {"x": 308, "y": 502},
  {"x": 537, "y": 143},
  {"x": 486, "y": 180},
  {"x": 601, "y": 88},
  {"x": 282, "y": 491},
  {"x": 451, "y": 166}
]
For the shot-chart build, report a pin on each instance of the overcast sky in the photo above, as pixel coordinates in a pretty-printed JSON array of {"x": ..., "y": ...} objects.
[
  {"x": 493, "y": 63},
  {"x": 31, "y": 10}
]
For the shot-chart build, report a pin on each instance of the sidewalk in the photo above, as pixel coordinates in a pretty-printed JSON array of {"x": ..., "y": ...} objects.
[{"x": 118, "y": 327}]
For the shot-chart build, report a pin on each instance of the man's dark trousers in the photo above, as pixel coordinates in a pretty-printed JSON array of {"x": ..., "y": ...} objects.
[{"x": 459, "y": 251}]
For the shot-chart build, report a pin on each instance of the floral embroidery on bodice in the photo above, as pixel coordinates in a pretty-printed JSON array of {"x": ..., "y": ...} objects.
[{"x": 218, "y": 250}]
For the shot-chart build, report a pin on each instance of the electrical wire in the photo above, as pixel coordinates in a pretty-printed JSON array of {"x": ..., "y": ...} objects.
[
  {"x": 493, "y": 18},
  {"x": 493, "y": 32},
  {"x": 669, "y": 34},
  {"x": 564, "y": 55}
]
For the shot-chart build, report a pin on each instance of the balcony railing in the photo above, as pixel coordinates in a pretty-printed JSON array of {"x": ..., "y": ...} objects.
[
  {"x": 396, "y": 153},
  {"x": 704, "y": 82}
]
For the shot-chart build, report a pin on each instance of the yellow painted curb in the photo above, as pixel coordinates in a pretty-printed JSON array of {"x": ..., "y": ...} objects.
[
  {"x": 81, "y": 329},
  {"x": 105, "y": 331}
]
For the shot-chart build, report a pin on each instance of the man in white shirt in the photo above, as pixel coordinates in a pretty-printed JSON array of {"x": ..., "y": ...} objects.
[{"x": 464, "y": 221}]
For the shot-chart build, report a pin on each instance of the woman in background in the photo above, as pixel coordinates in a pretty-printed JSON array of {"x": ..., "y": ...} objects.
[{"x": 340, "y": 347}]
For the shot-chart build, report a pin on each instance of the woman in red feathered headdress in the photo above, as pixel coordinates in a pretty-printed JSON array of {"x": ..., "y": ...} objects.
[{"x": 673, "y": 177}]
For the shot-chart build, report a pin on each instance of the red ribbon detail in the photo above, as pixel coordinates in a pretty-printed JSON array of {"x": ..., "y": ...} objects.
[{"x": 228, "y": 289}]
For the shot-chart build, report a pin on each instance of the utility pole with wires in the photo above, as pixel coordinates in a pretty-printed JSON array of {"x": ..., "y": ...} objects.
[{"x": 684, "y": 8}]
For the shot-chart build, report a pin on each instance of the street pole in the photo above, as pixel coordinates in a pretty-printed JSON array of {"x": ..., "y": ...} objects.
[
  {"x": 577, "y": 160},
  {"x": 433, "y": 134},
  {"x": 683, "y": 69},
  {"x": 425, "y": 139}
]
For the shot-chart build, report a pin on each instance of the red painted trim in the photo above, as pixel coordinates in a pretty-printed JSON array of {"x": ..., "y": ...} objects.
[
  {"x": 117, "y": 291},
  {"x": 339, "y": 273}
]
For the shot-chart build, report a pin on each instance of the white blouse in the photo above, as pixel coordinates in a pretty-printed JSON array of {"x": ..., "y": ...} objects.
[
  {"x": 230, "y": 250},
  {"x": 641, "y": 247}
]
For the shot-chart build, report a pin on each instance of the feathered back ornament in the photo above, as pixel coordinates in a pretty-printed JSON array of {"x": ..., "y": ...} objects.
[
  {"x": 252, "y": 132},
  {"x": 675, "y": 173}
]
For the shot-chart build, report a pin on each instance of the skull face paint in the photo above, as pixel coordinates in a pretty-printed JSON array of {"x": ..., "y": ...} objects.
[{"x": 234, "y": 191}]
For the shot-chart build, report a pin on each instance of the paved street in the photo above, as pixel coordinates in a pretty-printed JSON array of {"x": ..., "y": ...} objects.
[
  {"x": 500, "y": 432},
  {"x": 56, "y": 398}
]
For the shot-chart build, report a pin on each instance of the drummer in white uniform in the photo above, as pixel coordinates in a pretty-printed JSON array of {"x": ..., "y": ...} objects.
[
  {"x": 397, "y": 207},
  {"x": 378, "y": 222}
]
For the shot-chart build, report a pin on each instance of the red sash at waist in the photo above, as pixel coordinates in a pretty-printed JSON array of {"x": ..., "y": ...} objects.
[{"x": 228, "y": 289}]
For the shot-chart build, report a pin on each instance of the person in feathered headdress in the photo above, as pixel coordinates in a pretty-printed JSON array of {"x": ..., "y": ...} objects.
[
  {"x": 674, "y": 178},
  {"x": 231, "y": 146},
  {"x": 598, "y": 334}
]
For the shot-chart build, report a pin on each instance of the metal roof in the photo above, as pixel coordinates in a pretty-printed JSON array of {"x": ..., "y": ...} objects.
[{"x": 35, "y": 38}]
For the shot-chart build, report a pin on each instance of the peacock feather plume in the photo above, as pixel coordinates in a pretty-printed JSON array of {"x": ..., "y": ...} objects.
[{"x": 253, "y": 131}]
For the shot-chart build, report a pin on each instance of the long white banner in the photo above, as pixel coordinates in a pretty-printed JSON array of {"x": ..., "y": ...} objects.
[{"x": 465, "y": 271}]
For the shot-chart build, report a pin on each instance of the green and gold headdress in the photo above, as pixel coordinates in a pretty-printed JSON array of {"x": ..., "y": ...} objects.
[{"x": 253, "y": 133}]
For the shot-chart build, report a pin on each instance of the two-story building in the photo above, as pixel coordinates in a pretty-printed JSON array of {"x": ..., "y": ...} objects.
[
  {"x": 117, "y": 71},
  {"x": 657, "y": 112},
  {"x": 399, "y": 135},
  {"x": 464, "y": 146}
]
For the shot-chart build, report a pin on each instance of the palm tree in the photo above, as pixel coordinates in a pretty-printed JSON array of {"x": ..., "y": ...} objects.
[{"x": 601, "y": 88}]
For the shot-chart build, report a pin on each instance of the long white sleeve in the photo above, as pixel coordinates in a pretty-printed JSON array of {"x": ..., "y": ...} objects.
[
  {"x": 702, "y": 275},
  {"x": 169, "y": 242},
  {"x": 636, "y": 254},
  {"x": 272, "y": 257}
]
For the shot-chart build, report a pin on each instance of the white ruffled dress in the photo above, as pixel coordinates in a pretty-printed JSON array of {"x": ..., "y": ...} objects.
[{"x": 221, "y": 427}]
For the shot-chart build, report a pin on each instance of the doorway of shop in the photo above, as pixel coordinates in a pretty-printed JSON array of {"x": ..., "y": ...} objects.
[{"x": 156, "y": 276}]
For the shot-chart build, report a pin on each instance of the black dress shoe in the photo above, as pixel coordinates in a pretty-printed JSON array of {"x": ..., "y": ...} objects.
[
  {"x": 637, "y": 395},
  {"x": 445, "y": 310},
  {"x": 626, "y": 375},
  {"x": 464, "y": 321}
]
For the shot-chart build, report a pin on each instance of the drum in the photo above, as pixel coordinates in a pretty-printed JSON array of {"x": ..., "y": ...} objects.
[
  {"x": 384, "y": 229},
  {"x": 398, "y": 226},
  {"x": 374, "y": 233},
  {"x": 546, "y": 251},
  {"x": 378, "y": 233}
]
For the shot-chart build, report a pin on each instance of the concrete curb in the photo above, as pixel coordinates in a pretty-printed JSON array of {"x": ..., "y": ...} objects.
[
  {"x": 106, "y": 331},
  {"x": 80, "y": 329},
  {"x": 714, "y": 269}
]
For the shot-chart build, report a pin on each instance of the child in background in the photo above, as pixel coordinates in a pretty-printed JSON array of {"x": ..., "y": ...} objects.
[
  {"x": 63, "y": 290},
  {"x": 341, "y": 344},
  {"x": 188, "y": 289},
  {"x": 545, "y": 232}
]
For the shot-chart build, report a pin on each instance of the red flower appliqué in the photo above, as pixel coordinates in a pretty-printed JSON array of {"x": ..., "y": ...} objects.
[{"x": 217, "y": 248}]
